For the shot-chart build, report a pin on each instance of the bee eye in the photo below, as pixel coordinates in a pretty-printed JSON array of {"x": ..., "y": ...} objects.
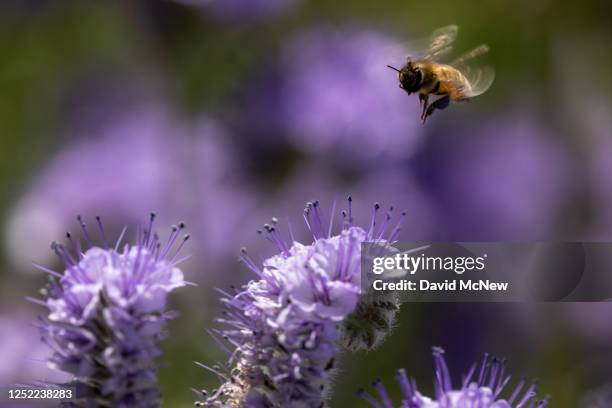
[{"x": 417, "y": 76}]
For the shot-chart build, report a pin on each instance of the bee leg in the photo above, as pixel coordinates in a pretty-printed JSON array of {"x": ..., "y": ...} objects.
[
  {"x": 423, "y": 101},
  {"x": 440, "y": 104}
]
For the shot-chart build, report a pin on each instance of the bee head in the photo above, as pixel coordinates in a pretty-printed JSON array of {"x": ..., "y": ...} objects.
[{"x": 410, "y": 77}]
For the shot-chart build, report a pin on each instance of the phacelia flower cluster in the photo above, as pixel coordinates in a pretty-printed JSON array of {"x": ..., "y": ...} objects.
[
  {"x": 107, "y": 313},
  {"x": 284, "y": 330},
  {"x": 481, "y": 387}
]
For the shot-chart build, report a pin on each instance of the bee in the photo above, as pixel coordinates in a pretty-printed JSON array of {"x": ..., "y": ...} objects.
[{"x": 453, "y": 82}]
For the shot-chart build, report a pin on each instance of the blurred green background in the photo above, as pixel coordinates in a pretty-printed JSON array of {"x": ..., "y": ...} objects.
[{"x": 60, "y": 61}]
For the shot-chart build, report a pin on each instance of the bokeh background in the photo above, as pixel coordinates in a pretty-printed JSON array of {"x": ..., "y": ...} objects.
[{"x": 224, "y": 113}]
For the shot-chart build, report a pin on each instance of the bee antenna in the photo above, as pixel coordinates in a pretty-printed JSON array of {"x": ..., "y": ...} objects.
[{"x": 393, "y": 68}]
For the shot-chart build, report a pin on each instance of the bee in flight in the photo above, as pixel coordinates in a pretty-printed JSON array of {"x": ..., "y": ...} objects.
[{"x": 453, "y": 82}]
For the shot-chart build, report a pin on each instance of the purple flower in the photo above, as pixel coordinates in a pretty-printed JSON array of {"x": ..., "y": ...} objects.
[
  {"x": 144, "y": 158},
  {"x": 107, "y": 314},
  {"x": 22, "y": 354},
  {"x": 131, "y": 161},
  {"x": 284, "y": 329},
  {"x": 213, "y": 176},
  {"x": 591, "y": 320},
  {"x": 387, "y": 183},
  {"x": 481, "y": 387},
  {"x": 339, "y": 96},
  {"x": 600, "y": 165},
  {"x": 504, "y": 179}
]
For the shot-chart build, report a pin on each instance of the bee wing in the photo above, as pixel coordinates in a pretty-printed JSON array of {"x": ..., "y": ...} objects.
[
  {"x": 479, "y": 78},
  {"x": 438, "y": 44},
  {"x": 471, "y": 54},
  {"x": 441, "y": 41}
]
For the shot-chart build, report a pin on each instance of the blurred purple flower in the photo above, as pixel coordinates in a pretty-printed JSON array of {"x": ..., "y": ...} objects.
[
  {"x": 479, "y": 388},
  {"x": 143, "y": 159},
  {"x": 22, "y": 354},
  {"x": 284, "y": 327},
  {"x": 107, "y": 315},
  {"x": 120, "y": 170},
  {"x": 504, "y": 179},
  {"x": 215, "y": 192},
  {"x": 338, "y": 95},
  {"x": 599, "y": 398},
  {"x": 591, "y": 319},
  {"x": 601, "y": 185}
]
